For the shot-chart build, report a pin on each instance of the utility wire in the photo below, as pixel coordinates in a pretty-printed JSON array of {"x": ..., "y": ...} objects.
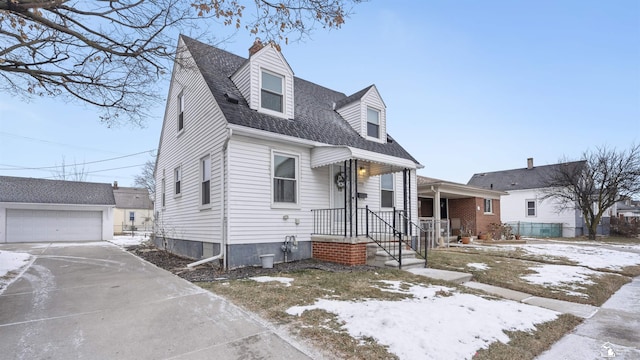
[
  {"x": 14, "y": 167},
  {"x": 53, "y": 142}
]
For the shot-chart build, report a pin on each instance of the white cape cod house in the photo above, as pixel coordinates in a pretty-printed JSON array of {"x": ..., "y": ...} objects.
[{"x": 254, "y": 161}]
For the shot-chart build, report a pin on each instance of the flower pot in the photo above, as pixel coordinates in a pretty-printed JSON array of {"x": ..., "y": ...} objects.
[
  {"x": 518, "y": 237},
  {"x": 483, "y": 237},
  {"x": 466, "y": 239}
]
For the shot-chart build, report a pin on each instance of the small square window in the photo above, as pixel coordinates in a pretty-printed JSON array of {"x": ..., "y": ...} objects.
[
  {"x": 271, "y": 94},
  {"x": 373, "y": 123}
]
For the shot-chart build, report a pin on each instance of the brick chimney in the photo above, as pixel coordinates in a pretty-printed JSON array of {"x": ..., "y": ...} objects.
[
  {"x": 257, "y": 45},
  {"x": 530, "y": 163}
]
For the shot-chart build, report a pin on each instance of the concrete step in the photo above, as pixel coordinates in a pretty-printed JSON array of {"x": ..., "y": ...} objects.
[
  {"x": 382, "y": 256},
  {"x": 446, "y": 275},
  {"x": 409, "y": 263}
]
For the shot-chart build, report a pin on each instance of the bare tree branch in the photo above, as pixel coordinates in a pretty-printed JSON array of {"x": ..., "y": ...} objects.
[
  {"x": 596, "y": 183},
  {"x": 110, "y": 54}
]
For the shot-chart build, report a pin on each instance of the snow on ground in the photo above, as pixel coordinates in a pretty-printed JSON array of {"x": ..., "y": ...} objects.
[
  {"x": 594, "y": 257},
  {"x": 566, "y": 278},
  {"x": 11, "y": 263},
  {"x": 436, "y": 320},
  {"x": 128, "y": 240},
  {"x": 284, "y": 280},
  {"x": 478, "y": 266}
]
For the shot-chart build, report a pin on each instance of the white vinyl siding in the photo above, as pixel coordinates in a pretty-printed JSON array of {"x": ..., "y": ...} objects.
[
  {"x": 513, "y": 207},
  {"x": 182, "y": 217},
  {"x": 352, "y": 114},
  {"x": 252, "y": 217}
]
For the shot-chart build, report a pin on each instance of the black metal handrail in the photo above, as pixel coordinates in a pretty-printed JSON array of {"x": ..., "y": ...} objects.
[
  {"x": 386, "y": 235},
  {"x": 416, "y": 238}
]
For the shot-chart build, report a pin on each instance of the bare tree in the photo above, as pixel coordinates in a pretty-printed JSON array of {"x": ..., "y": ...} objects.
[
  {"x": 146, "y": 178},
  {"x": 74, "y": 172},
  {"x": 593, "y": 185},
  {"x": 111, "y": 53}
]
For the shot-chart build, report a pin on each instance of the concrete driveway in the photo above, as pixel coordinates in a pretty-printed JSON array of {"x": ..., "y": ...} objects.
[{"x": 96, "y": 301}]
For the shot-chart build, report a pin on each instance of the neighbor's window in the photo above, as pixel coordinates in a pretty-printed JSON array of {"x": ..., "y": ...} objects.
[
  {"x": 373, "y": 123},
  {"x": 271, "y": 94},
  {"x": 488, "y": 206},
  {"x": 285, "y": 182},
  {"x": 386, "y": 190},
  {"x": 205, "y": 175},
  {"x": 531, "y": 208},
  {"x": 180, "y": 112},
  {"x": 177, "y": 175}
]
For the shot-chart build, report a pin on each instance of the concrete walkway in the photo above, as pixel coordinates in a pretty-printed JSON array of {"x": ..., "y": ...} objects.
[
  {"x": 96, "y": 301},
  {"x": 610, "y": 331}
]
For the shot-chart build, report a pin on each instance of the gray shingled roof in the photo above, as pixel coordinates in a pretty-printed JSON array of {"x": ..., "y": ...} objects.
[
  {"x": 516, "y": 179},
  {"x": 351, "y": 98},
  {"x": 42, "y": 191},
  {"x": 314, "y": 117},
  {"x": 132, "y": 198}
]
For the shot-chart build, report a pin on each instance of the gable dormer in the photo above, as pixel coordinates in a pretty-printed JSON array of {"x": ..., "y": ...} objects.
[
  {"x": 366, "y": 113},
  {"x": 266, "y": 81}
]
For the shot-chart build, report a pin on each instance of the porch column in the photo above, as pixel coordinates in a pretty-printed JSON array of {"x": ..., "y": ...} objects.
[{"x": 437, "y": 215}]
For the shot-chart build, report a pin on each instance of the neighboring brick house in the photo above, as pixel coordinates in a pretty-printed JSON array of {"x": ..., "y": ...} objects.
[{"x": 464, "y": 207}]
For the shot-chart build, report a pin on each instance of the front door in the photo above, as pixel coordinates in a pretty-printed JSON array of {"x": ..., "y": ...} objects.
[{"x": 339, "y": 186}]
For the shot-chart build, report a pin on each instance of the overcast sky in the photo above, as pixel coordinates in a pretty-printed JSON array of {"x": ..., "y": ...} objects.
[{"x": 470, "y": 86}]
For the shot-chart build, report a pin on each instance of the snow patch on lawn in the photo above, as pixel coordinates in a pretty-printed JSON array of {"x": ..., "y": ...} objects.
[
  {"x": 284, "y": 280},
  {"x": 566, "y": 278},
  {"x": 478, "y": 266},
  {"x": 11, "y": 263},
  {"x": 589, "y": 256},
  {"x": 128, "y": 240},
  {"x": 435, "y": 320}
]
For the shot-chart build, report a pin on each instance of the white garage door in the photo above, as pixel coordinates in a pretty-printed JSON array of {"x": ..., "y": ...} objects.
[{"x": 53, "y": 225}]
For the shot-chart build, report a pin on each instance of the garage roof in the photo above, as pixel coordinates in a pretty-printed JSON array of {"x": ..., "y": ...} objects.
[{"x": 30, "y": 190}]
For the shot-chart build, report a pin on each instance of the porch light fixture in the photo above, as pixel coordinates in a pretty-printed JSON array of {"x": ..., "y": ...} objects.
[{"x": 362, "y": 171}]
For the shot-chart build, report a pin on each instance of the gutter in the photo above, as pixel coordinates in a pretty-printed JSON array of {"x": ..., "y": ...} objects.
[{"x": 223, "y": 210}]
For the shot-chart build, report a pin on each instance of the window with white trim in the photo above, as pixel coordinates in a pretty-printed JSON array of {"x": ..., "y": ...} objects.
[
  {"x": 373, "y": 123},
  {"x": 531, "y": 207},
  {"x": 177, "y": 178},
  {"x": 386, "y": 190},
  {"x": 205, "y": 180},
  {"x": 488, "y": 206},
  {"x": 285, "y": 178},
  {"x": 180, "y": 111},
  {"x": 271, "y": 92}
]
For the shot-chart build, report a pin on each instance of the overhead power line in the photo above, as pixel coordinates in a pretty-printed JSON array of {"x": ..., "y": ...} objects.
[
  {"x": 53, "y": 142},
  {"x": 15, "y": 167}
]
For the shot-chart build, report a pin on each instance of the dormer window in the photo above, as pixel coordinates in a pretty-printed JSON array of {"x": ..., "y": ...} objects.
[
  {"x": 373, "y": 123},
  {"x": 271, "y": 94}
]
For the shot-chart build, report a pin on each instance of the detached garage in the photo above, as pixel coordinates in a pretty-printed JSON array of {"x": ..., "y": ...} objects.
[{"x": 40, "y": 210}]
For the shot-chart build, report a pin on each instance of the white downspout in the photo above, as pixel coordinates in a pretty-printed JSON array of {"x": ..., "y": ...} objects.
[{"x": 223, "y": 210}]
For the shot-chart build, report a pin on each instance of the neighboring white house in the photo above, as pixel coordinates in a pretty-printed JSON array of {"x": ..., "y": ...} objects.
[
  {"x": 40, "y": 210},
  {"x": 524, "y": 203},
  {"x": 253, "y": 160},
  {"x": 134, "y": 209}
]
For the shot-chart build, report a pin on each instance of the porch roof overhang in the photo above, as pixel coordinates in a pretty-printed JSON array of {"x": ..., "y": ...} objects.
[
  {"x": 375, "y": 163},
  {"x": 429, "y": 187}
]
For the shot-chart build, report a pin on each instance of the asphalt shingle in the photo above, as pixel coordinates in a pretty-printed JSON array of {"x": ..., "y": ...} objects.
[{"x": 43, "y": 191}]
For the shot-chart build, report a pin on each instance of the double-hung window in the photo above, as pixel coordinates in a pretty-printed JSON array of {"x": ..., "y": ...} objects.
[
  {"x": 205, "y": 182},
  {"x": 488, "y": 206},
  {"x": 531, "y": 207},
  {"x": 177, "y": 175},
  {"x": 163, "y": 200},
  {"x": 386, "y": 190},
  {"x": 373, "y": 123},
  {"x": 285, "y": 179},
  {"x": 180, "y": 112},
  {"x": 271, "y": 93}
]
